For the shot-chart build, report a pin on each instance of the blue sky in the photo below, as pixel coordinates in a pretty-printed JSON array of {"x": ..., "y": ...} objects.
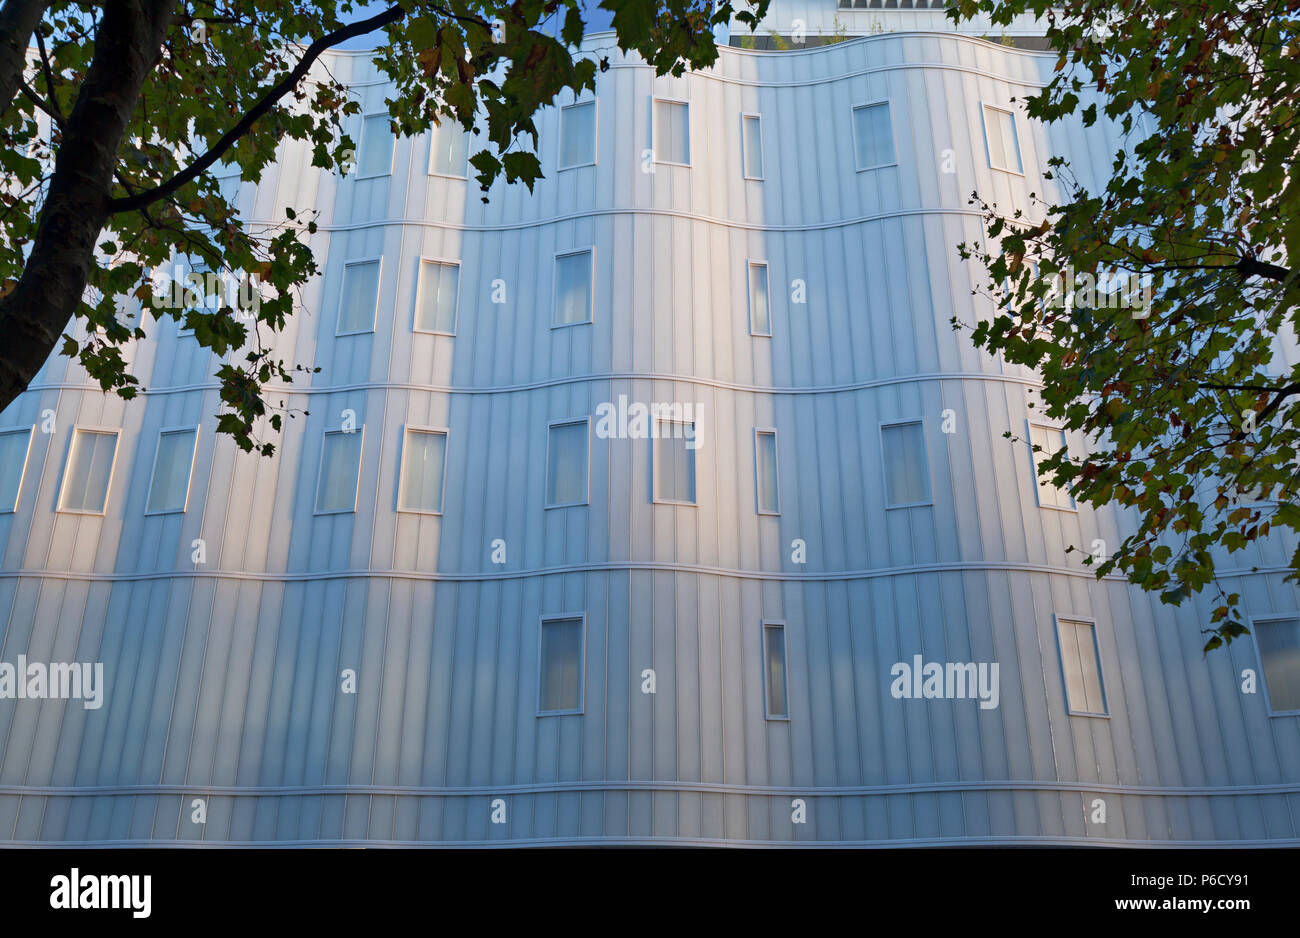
[{"x": 596, "y": 19}]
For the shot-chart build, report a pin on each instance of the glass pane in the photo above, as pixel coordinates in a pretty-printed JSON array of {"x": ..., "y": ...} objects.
[
  {"x": 875, "y": 137},
  {"x": 753, "y": 148},
  {"x": 774, "y": 653},
  {"x": 171, "y": 471},
  {"x": 437, "y": 307},
  {"x": 567, "y": 470},
  {"x": 423, "y": 462},
  {"x": 449, "y": 149},
  {"x": 674, "y": 469},
  {"x": 907, "y": 474},
  {"x": 85, "y": 487},
  {"x": 13, "y": 457},
  {"x": 360, "y": 297},
  {"x": 1004, "y": 145},
  {"x": 1082, "y": 670},
  {"x": 376, "y": 146},
  {"x": 1050, "y": 441},
  {"x": 578, "y": 134},
  {"x": 760, "y": 319},
  {"x": 561, "y": 662},
  {"x": 340, "y": 462},
  {"x": 573, "y": 288},
  {"x": 1279, "y": 649},
  {"x": 672, "y": 134},
  {"x": 766, "y": 456}
]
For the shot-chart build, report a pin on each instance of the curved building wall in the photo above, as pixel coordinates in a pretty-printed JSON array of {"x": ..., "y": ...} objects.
[{"x": 225, "y": 676}]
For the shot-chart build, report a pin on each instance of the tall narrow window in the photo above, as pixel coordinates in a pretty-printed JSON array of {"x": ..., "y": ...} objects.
[
  {"x": 752, "y": 149},
  {"x": 376, "y": 146},
  {"x": 774, "y": 672},
  {"x": 424, "y": 461},
  {"x": 572, "y": 289},
  {"x": 560, "y": 682},
  {"x": 173, "y": 463},
  {"x": 1048, "y": 440},
  {"x": 14, "y": 446},
  {"x": 578, "y": 135},
  {"x": 674, "y": 462},
  {"x": 873, "y": 135},
  {"x": 1001, "y": 139},
  {"x": 340, "y": 466},
  {"x": 769, "y": 502},
  {"x": 435, "y": 302},
  {"x": 907, "y": 469},
  {"x": 1279, "y": 653},
  {"x": 449, "y": 150},
  {"x": 1081, "y": 665},
  {"x": 360, "y": 297},
  {"x": 89, "y": 471},
  {"x": 566, "y": 464},
  {"x": 672, "y": 132},
  {"x": 760, "y": 311}
]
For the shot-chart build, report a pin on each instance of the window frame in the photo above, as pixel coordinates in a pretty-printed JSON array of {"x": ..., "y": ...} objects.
[
  {"x": 750, "y": 264},
  {"x": 776, "y": 470},
  {"x": 745, "y": 169},
  {"x": 420, "y": 261},
  {"x": 1259, "y": 657},
  {"x": 893, "y": 133},
  {"x": 1096, "y": 650},
  {"x": 433, "y": 136},
  {"x": 555, "y": 287},
  {"x": 320, "y": 471},
  {"x": 379, "y": 287},
  {"x": 785, "y": 670},
  {"x": 560, "y": 166},
  {"x": 112, "y": 469},
  {"x": 153, "y": 473},
  {"x": 361, "y": 144},
  {"x": 547, "y": 504},
  {"x": 925, "y": 446},
  {"x": 408, "y": 428},
  {"x": 654, "y": 129},
  {"x": 582, "y": 662},
  {"x": 1030, "y": 426},
  {"x": 22, "y": 473},
  {"x": 655, "y": 438},
  {"x": 985, "y": 107}
]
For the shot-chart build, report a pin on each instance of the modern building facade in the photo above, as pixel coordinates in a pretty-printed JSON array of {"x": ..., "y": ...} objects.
[{"x": 630, "y": 511}]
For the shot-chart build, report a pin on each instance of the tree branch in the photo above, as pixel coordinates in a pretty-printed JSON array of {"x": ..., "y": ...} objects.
[{"x": 18, "y": 20}]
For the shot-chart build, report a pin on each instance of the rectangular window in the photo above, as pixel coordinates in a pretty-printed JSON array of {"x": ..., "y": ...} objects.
[
  {"x": 578, "y": 135},
  {"x": 424, "y": 463},
  {"x": 14, "y": 446},
  {"x": 769, "y": 501},
  {"x": 672, "y": 132},
  {"x": 340, "y": 466},
  {"x": 89, "y": 471},
  {"x": 360, "y": 297},
  {"x": 907, "y": 469},
  {"x": 449, "y": 150},
  {"x": 1081, "y": 664},
  {"x": 674, "y": 462},
  {"x": 173, "y": 463},
  {"x": 560, "y": 682},
  {"x": 572, "y": 288},
  {"x": 873, "y": 136},
  {"x": 760, "y": 311},
  {"x": 1048, "y": 440},
  {"x": 376, "y": 146},
  {"x": 778, "y": 703},
  {"x": 566, "y": 464},
  {"x": 435, "y": 297},
  {"x": 1001, "y": 139},
  {"x": 1279, "y": 654},
  {"x": 752, "y": 145}
]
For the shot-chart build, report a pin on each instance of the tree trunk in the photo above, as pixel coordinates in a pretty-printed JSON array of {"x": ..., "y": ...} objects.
[{"x": 18, "y": 19}]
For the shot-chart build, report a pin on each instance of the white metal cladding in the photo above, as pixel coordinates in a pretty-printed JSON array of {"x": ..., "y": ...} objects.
[{"x": 223, "y": 676}]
